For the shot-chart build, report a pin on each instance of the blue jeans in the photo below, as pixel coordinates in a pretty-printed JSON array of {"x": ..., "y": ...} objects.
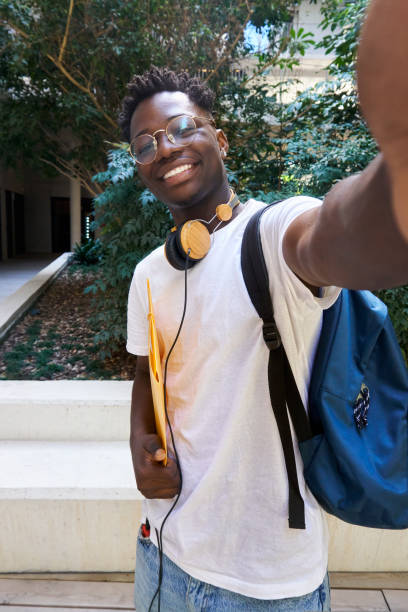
[{"x": 182, "y": 593}]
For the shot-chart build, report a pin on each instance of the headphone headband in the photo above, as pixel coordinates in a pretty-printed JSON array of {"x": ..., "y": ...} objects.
[{"x": 224, "y": 211}]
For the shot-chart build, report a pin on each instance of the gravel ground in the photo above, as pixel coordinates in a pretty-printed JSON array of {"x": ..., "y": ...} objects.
[{"x": 54, "y": 340}]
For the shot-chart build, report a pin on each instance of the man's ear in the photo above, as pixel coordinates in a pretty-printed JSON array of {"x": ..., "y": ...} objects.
[{"x": 222, "y": 142}]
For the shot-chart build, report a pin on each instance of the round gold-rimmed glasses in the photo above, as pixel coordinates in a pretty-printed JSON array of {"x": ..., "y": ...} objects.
[{"x": 180, "y": 131}]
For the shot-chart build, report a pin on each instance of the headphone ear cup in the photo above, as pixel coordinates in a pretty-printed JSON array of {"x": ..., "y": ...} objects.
[
  {"x": 193, "y": 238},
  {"x": 174, "y": 256}
]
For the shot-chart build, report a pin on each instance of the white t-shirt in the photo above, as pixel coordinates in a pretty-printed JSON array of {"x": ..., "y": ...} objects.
[{"x": 230, "y": 526}]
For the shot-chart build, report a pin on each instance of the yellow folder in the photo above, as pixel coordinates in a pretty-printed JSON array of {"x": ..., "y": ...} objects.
[{"x": 156, "y": 377}]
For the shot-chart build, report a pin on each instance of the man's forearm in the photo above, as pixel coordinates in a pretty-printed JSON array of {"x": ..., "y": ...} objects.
[
  {"x": 353, "y": 240},
  {"x": 155, "y": 480},
  {"x": 142, "y": 412}
]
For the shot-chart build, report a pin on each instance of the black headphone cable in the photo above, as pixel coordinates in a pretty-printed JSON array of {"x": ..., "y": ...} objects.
[{"x": 159, "y": 536}]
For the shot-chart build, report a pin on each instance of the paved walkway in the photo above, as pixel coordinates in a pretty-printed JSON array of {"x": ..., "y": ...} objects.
[
  {"x": 18, "y": 270},
  {"x": 351, "y": 592}
]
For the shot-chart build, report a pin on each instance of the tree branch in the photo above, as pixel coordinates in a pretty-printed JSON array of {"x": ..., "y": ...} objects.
[
  {"x": 105, "y": 31},
  {"x": 72, "y": 173},
  {"x": 298, "y": 116},
  {"x": 272, "y": 61},
  {"x": 64, "y": 42},
  {"x": 69, "y": 76},
  {"x": 98, "y": 188},
  {"x": 234, "y": 44},
  {"x": 15, "y": 28},
  {"x": 86, "y": 90}
]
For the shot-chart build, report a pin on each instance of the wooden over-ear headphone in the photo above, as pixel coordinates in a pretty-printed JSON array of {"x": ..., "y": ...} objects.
[{"x": 191, "y": 240}]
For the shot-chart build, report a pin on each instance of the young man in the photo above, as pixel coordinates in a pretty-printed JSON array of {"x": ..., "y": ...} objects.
[{"x": 227, "y": 544}]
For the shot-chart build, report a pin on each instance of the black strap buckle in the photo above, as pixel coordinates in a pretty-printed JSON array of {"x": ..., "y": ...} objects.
[{"x": 271, "y": 336}]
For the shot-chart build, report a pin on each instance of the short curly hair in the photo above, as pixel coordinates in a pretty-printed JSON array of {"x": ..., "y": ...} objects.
[{"x": 155, "y": 80}]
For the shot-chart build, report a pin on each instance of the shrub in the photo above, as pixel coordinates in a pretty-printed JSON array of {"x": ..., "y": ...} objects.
[
  {"x": 397, "y": 302},
  {"x": 89, "y": 253},
  {"x": 131, "y": 222}
]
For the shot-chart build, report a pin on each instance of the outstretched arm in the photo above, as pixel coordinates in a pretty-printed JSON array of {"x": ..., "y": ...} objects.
[{"x": 359, "y": 237}]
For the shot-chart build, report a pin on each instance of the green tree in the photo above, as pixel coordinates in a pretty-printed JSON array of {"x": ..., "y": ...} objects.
[
  {"x": 342, "y": 22},
  {"x": 328, "y": 138},
  {"x": 64, "y": 67},
  {"x": 130, "y": 221}
]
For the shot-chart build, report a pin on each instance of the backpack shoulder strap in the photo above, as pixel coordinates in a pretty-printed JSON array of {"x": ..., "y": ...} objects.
[
  {"x": 282, "y": 386},
  {"x": 256, "y": 279}
]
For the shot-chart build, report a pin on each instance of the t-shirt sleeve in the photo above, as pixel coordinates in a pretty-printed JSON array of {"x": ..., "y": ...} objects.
[
  {"x": 137, "y": 323},
  {"x": 274, "y": 224}
]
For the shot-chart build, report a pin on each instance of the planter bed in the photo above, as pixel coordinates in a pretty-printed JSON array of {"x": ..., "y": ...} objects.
[{"x": 54, "y": 340}]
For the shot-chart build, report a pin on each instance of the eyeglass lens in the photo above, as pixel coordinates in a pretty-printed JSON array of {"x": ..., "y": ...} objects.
[{"x": 180, "y": 131}]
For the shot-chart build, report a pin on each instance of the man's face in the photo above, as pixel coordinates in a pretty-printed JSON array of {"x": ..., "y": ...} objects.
[{"x": 203, "y": 176}]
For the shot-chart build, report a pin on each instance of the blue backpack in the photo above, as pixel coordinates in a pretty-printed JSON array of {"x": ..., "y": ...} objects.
[{"x": 354, "y": 443}]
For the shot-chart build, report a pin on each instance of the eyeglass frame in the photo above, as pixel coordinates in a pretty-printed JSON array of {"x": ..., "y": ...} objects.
[{"x": 156, "y": 144}]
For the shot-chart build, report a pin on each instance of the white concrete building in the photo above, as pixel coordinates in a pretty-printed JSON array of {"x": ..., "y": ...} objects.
[{"x": 312, "y": 66}]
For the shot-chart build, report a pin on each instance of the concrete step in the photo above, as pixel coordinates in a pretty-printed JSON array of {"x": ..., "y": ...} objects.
[
  {"x": 67, "y": 470},
  {"x": 65, "y": 410},
  {"x": 67, "y": 506},
  {"x": 68, "y": 498}
]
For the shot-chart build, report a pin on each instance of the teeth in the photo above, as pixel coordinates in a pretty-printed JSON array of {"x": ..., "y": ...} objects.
[{"x": 177, "y": 170}]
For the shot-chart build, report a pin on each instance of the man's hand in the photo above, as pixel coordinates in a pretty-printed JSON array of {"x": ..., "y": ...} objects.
[
  {"x": 154, "y": 480},
  {"x": 383, "y": 92}
]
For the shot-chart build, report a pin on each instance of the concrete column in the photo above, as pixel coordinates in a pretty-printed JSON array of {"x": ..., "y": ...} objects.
[
  {"x": 3, "y": 224},
  {"x": 75, "y": 211}
]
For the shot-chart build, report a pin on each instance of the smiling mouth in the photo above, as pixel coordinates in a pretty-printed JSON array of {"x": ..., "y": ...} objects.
[{"x": 177, "y": 170}]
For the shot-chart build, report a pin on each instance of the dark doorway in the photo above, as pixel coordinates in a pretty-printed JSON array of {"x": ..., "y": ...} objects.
[
  {"x": 15, "y": 227},
  {"x": 9, "y": 224},
  {"x": 60, "y": 225},
  {"x": 19, "y": 224}
]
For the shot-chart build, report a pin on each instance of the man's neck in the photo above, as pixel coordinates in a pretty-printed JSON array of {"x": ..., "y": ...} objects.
[{"x": 206, "y": 210}]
